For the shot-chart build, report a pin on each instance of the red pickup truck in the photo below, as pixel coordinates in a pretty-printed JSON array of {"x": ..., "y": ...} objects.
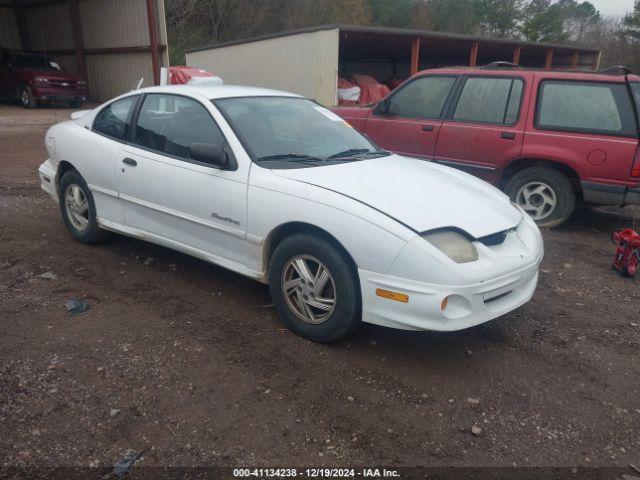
[
  {"x": 30, "y": 78},
  {"x": 548, "y": 139}
]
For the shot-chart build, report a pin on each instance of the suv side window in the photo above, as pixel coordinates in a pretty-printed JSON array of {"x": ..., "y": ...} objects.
[
  {"x": 585, "y": 107},
  {"x": 490, "y": 100},
  {"x": 114, "y": 120},
  {"x": 423, "y": 97},
  {"x": 171, "y": 123}
]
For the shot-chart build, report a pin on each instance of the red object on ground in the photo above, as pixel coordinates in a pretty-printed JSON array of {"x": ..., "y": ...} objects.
[
  {"x": 627, "y": 259},
  {"x": 181, "y": 75},
  {"x": 372, "y": 90}
]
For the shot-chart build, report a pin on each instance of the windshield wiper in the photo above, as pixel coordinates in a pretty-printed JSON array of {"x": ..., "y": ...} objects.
[
  {"x": 352, "y": 152},
  {"x": 287, "y": 156}
]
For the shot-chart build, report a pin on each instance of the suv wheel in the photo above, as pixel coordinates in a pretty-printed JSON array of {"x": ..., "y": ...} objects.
[
  {"x": 26, "y": 97},
  {"x": 314, "y": 289},
  {"x": 79, "y": 210},
  {"x": 544, "y": 193}
]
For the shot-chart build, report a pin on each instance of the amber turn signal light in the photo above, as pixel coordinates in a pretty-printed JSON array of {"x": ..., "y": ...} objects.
[{"x": 398, "y": 297}]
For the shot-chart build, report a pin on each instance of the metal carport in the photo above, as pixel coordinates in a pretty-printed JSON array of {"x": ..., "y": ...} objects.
[{"x": 109, "y": 43}]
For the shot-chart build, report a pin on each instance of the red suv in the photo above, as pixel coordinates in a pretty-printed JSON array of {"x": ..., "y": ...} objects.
[
  {"x": 29, "y": 78},
  {"x": 548, "y": 139}
]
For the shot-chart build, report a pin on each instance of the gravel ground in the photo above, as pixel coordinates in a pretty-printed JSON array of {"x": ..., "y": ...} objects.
[{"x": 190, "y": 362}]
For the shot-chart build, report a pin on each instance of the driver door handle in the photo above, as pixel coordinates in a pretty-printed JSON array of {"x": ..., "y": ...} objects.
[
  {"x": 427, "y": 128},
  {"x": 129, "y": 161},
  {"x": 508, "y": 135}
]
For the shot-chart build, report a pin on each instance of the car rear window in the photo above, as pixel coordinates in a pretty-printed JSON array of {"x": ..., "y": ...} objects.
[
  {"x": 114, "y": 120},
  {"x": 585, "y": 107},
  {"x": 490, "y": 100}
]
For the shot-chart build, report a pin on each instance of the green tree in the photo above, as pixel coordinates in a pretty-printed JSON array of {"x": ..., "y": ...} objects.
[
  {"x": 632, "y": 22},
  {"x": 499, "y": 18}
]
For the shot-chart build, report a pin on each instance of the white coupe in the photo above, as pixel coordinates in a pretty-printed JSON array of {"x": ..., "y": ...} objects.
[{"x": 276, "y": 187}]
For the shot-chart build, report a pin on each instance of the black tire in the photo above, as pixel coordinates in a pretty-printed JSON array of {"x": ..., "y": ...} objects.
[
  {"x": 75, "y": 104},
  {"x": 26, "y": 98},
  {"x": 557, "y": 182},
  {"x": 92, "y": 233},
  {"x": 346, "y": 316}
]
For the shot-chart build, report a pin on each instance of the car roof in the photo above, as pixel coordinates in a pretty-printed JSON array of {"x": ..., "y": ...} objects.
[
  {"x": 218, "y": 91},
  {"x": 528, "y": 73}
]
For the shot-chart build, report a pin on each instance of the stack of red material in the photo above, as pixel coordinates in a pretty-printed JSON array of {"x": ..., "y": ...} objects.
[
  {"x": 182, "y": 75},
  {"x": 394, "y": 83},
  {"x": 348, "y": 93},
  {"x": 371, "y": 90}
]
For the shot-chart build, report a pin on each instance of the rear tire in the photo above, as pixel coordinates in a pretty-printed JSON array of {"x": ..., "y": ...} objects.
[
  {"x": 544, "y": 193},
  {"x": 78, "y": 209},
  {"x": 323, "y": 303},
  {"x": 27, "y": 100}
]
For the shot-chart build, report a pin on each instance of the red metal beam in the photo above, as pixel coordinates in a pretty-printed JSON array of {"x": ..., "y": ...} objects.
[
  {"x": 473, "y": 58},
  {"x": 78, "y": 39},
  {"x": 549, "y": 59},
  {"x": 516, "y": 54},
  {"x": 415, "y": 55},
  {"x": 574, "y": 59},
  {"x": 98, "y": 51},
  {"x": 153, "y": 37}
]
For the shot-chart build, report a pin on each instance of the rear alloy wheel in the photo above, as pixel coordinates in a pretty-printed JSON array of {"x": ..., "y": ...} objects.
[
  {"x": 78, "y": 209},
  {"x": 314, "y": 288},
  {"x": 544, "y": 193},
  {"x": 26, "y": 97}
]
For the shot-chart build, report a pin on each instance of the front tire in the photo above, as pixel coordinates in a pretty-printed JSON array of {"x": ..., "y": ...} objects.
[
  {"x": 544, "y": 193},
  {"x": 78, "y": 209},
  {"x": 314, "y": 288},
  {"x": 27, "y": 100}
]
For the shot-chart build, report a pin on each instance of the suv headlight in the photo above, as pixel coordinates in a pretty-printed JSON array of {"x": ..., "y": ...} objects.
[
  {"x": 41, "y": 80},
  {"x": 453, "y": 244}
]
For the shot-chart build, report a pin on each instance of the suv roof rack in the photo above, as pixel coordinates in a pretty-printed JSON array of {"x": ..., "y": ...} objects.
[
  {"x": 499, "y": 65},
  {"x": 616, "y": 70}
]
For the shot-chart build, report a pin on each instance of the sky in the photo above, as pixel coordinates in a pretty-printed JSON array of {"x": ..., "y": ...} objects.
[{"x": 613, "y": 7}]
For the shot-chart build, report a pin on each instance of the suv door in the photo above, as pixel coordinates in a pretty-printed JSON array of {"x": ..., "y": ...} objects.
[
  {"x": 166, "y": 193},
  {"x": 484, "y": 129},
  {"x": 408, "y": 121}
]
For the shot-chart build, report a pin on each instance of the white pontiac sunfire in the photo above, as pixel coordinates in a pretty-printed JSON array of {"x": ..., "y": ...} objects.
[{"x": 278, "y": 188}]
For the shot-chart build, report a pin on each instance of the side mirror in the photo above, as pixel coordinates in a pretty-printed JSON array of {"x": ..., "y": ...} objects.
[
  {"x": 210, "y": 154},
  {"x": 383, "y": 106}
]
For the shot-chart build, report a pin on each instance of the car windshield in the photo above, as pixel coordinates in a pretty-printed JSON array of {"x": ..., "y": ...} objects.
[
  {"x": 295, "y": 131},
  {"x": 34, "y": 62}
]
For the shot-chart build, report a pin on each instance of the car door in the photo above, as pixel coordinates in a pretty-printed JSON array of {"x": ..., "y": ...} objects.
[
  {"x": 169, "y": 195},
  {"x": 484, "y": 129},
  {"x": 408, "y": 122}
]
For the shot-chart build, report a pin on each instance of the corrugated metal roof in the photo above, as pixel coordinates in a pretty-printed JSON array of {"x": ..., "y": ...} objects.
[{"x": 426, "y": 34}]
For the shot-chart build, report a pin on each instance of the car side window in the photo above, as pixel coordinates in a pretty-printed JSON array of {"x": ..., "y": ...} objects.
[
  {"x": 114, "y": 120},
  {"x": 423, "y": 97},
  {"x": 589, "y": 107},
  {"x": 171, "y": 123},
  {"x": 490, "y": 100}
]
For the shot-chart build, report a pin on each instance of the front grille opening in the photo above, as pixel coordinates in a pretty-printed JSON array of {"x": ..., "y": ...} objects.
[
  {"x": 495, "y": 238},
  {"x": 497, "y": 297}
]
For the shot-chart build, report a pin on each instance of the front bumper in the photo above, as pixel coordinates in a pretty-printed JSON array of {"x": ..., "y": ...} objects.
[
  {"x": 59, "y": 94},
  {"x": 605, "y": 194},
  {"x": 468, "y": 305}
]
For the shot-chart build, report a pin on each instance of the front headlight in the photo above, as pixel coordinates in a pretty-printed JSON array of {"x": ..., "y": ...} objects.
[{"x": 453, "y": 244}]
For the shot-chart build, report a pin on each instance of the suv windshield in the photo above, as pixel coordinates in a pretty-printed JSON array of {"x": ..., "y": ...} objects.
[
  {"x": 34, "y": 62},
  {"x": 295, "y": 131}
]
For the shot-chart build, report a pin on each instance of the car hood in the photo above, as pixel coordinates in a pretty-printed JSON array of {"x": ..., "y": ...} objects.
[{"x": 420, "y": 194}]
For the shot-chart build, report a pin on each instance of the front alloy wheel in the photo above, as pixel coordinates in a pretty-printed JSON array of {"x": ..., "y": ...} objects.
[{"x": 309, "y": 289}]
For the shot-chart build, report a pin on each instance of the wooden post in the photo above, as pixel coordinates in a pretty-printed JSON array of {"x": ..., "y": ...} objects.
[
  {"x": 549, "y": 60},
  {"x": 153, "y": 37},
  {"x": 473, "y": 58},
  {"x": 516, "y": 55},
  {"x": 78, "y": 39},
  {"x": 596, "y": 63},
  {"x": 415, "y": 55},
  {"x": 574, "y": 60},
  {"x": 23, "y": 27}
]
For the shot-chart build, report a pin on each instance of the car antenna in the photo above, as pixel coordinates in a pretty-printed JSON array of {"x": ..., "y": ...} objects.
[{"x": 46, "y": 59}]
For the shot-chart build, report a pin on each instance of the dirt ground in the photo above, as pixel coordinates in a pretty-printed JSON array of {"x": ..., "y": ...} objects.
[{"x": 190, "y": 360}]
